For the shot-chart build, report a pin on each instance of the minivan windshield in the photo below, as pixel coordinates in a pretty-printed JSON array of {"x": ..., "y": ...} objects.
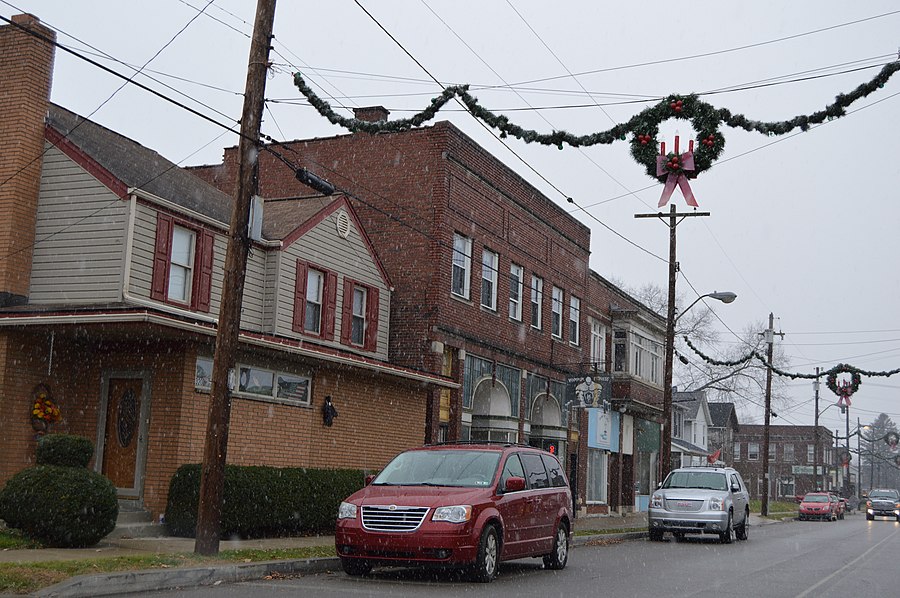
[
  {"x": 705, "y": 480},
  {"x": 473, "y": 469}
]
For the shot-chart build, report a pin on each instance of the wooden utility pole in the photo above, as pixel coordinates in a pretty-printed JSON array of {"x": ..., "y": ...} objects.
[
  {"x": 665, "y": 441},
  {"x": 770, "y": 339},
  {"x": 816, "y": 483},
  {"x": 212, "y": 481}
]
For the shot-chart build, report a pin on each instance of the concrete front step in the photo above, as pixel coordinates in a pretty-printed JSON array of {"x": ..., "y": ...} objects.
[{"x": 135, "y": 522}]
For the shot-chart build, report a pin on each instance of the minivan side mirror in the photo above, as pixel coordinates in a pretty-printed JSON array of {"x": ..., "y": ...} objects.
[
  {"x": 514, "y": 484},
  {"x": 735, "y": 487},
  {"x": 369, "y": 478}
]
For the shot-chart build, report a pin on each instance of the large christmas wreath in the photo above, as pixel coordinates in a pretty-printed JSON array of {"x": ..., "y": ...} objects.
[
  {"x": 703, "y": 117},
  {"x": 843, "y": 390}
]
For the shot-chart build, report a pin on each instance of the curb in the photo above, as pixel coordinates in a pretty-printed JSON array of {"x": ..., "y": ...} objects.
[
  {"x": 582, "y": 540},
  {"x": 84, "y": 586}
]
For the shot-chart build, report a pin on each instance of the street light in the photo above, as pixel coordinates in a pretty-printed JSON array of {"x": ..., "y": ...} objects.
[{"x": 665, "y": 450}]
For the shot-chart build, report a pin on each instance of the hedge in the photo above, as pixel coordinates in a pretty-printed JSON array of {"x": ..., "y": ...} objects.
[
  {"x": 264, "y": 501},
  {"x": 65, "y": 450}
]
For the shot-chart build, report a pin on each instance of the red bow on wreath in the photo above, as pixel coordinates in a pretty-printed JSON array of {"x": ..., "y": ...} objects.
[
  {"x": 676, "y": 171},
  {"x": 845, "y": 390}
]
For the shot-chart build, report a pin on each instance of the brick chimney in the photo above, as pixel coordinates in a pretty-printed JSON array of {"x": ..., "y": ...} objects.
[
  {"x": 372, "y": 114},
  {"x": 26, "y": 68}
]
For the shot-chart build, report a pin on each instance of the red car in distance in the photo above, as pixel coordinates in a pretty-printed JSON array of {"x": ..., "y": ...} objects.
[{"x": 818, "y": 505}]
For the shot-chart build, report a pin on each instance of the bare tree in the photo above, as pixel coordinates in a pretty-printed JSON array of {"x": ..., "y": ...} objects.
[{"x": 743, "y": 384}]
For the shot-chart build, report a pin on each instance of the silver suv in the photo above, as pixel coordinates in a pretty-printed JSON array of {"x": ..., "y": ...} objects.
[{"x": 700, "y": 500}]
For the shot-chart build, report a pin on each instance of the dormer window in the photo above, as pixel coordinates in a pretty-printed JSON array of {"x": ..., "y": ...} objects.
[{"x": 182, "y": 264}]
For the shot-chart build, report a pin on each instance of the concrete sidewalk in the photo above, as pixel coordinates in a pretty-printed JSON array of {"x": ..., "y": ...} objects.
[{"x": 629, "y": 526}]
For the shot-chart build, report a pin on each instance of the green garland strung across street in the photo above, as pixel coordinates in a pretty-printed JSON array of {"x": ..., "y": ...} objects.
[
  {"x": 705, "y": 118},
  {"x": 838, "y": 369}
]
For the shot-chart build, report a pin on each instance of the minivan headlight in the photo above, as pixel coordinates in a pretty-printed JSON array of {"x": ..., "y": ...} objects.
[
  {"x": 454, "y": 514},
  {"x": 347, "y": 511},
  {"x": 716, "y": 504},
  {"x": 656, "y": 501}
]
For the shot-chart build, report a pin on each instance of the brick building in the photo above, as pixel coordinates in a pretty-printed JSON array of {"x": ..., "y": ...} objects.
[
  {"x": 111, "y": 274},
  {"x": 792, "y": 455},
  {"x": 492, "y": 287}
]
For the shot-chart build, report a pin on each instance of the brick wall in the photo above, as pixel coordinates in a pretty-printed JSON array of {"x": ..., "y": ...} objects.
[{"x": 26, "y": 64}]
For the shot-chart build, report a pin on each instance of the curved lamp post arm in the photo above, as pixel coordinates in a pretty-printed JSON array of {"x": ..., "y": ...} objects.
[{"x": 724, "y": 297}]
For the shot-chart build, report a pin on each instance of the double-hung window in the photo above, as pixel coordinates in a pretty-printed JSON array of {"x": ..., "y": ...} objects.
[
  {"x": 516, "y": 273},
  {"x": 556, "y": 307},
  {"x": 753, "y": 451},
  {"x": 359, "y": 322},
  {"x": 462, "y": 266},
  {"x": 489, "y": 261},
  {"x": 182, "y": 264},
  {"x": 598, "y": 343},
  {"x": 574, "y": 319},
  {"x": 312, "y": 314},
  {"x": 315, "y": 296},
  {"x": 537, "y": 301}
]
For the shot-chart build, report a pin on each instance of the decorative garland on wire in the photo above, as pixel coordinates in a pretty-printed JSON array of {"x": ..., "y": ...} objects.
[
  {"x": 644, "y": 126},
  {"x": 838, "y": 369}
]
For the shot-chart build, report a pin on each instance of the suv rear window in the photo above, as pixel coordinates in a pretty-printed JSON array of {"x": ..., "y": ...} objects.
[
  {"x": 472, "y": 469},
  {"x": 705, "y": 480}
]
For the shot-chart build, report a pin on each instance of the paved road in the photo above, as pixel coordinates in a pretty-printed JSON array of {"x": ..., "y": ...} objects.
[{"x": 793, "y": 559}]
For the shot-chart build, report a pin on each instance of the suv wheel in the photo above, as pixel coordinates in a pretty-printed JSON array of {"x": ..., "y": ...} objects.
[
  {"x": 488, "y": 560},
  {"x": 740, "y": 532},
  {"x": 560, "y": 555},
  {"x": 727, "y": 537},
  {"x": 355, "y": 566},
  {"x": 656, "y": 535},
  {"x": 870, "y": 517}
]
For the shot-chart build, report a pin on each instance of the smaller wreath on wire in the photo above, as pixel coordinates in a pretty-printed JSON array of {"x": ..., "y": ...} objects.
[
  {"x": 704, "y": 119},
  {"x": 844, "y": 390}
]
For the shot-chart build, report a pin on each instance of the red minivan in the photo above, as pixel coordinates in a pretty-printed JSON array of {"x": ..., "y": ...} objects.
[{"x": 461, "y": 504}]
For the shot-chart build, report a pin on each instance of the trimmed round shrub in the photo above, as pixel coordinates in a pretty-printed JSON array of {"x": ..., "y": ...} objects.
[
  {"x": 67, "y": 507},
  {"x": 65, "y": 450}
]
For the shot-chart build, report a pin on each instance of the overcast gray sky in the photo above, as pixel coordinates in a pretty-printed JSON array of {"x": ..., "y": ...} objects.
[{"x": 803, "y": 226}]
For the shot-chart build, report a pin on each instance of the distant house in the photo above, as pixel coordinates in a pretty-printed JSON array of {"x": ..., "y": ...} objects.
[
  {"x": 111, "y": 273},
  {"x": 690, "y": 428},
  {"x": 722, "y": 428}
]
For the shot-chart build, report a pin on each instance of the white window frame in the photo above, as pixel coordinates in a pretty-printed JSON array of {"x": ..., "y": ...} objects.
[
  {"x": 556, "y": 307},
  {"x": 574, "y": 320},
  {"x": 677, "y": 424},
  {"x": 516, "y": 276},
  {"x": 358, "y": 315},
  {"x": 181, "y": 265},
  {"x": 462, "y": 266},
  {"x": 810, "y": 454},
  {"x": 537, "y": 302},
  {"x": 737, "y": 451},
  {"x": 752, "y": 449},
  {"x": 787, "y": 453},
  {"x": 489, "y": 264},
  {"x": 646, "y": 357},
  {"x": 598, "y": 342},
  {"x": 314, "y": 300}
]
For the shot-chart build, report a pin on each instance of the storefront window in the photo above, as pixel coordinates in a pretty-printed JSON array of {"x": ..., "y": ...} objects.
[{"x": 596, "y": 483}]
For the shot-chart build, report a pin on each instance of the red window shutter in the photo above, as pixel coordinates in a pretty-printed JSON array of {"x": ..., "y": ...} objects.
[
  {"x": 330, "y": 301},
  {"x": 203, "y": 281},
  {"x": 347, "y": 311},
  {"x": 371, "y": 320},
  {"x": 159, "y": 284},
  {"x": 299, "y": 297}
]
